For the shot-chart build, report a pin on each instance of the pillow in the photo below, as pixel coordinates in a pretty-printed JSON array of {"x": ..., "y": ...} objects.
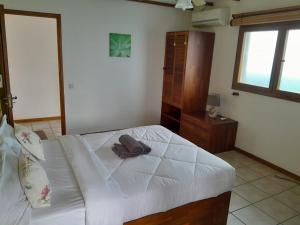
[
  {"x": 7, "y": 138},
  {"x": 30, "y": 141},
  {"x": 34, "y": 181},
  {"x": 15, "y": 209},
  {"x": 5, "y": 129}
]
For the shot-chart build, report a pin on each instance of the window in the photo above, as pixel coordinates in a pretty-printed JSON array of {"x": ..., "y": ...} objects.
[{"x": 267, "y": 60}]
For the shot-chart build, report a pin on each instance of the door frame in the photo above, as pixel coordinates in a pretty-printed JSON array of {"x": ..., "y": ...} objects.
[
  {"x": 5, "y": 92},
  {"x": 60, "y": 55}
]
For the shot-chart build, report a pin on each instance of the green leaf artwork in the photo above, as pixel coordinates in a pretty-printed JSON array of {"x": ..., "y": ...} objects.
[{"x": 119, "y": 45}]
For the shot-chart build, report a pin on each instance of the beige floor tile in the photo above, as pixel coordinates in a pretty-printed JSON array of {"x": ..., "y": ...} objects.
[
  {"x": 222, "y": 155},
  {"x": 283, "y": 180},
  {"x": 55, "y": 127},
  {"x": 291, "y": 199},
  {"x": 57, "y": 132},
  {"x": 234, "y": 163},
  {"x": 232, "y": 220},
  {"x": 230, "y": 154},
  {"x": 28, "y": 125},
  {"x": 293, "y": 221},
  {"x": 234, "y": 155},
  {"x": 237, "y": 202},
  {"x": 262, "y": 169},
  {"x": 247, "y": 161},
  {"x": 239, "y": 181},
  {"x": 248, "y": 174},
  {"x": 276, "y": 209},
  {"x": 268, "y": 185},
  {"x": 50, "y": 134},
  {"x": 55, "y": 124},
  {"x": 55, "y": 121},
  {"x": 254, "y": 216},
  {"x": 40, "y": 126},
  {"x": 250, "y": 193},
  {"x": 296, "y": 190},
  {"x": 47, "y": 130}
]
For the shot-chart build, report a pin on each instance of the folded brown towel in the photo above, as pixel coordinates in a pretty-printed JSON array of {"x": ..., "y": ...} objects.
[
  {"x": 146, "y": 148},
  {"x": 123, "y": 152},
  {"x": 132, "y": 145}
]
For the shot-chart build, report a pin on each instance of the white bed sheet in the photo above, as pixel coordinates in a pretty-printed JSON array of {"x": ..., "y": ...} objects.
[
  {"x": 67, "y": 204},
  {"x": 175, "y": 173}
]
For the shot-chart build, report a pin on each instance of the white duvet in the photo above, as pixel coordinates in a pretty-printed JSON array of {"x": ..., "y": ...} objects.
[{"x": 176, "y": 172}]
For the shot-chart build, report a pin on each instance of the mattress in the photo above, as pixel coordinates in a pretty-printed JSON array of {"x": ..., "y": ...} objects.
[
  {"x": 175, "y": 173},
  {"x": 67, "y": 204}
]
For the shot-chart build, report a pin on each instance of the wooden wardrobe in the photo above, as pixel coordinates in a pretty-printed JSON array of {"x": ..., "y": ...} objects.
[{"x": 187, "y": 68}]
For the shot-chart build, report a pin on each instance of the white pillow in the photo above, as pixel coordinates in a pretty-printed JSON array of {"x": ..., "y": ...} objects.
[
  {"x": 8, "y": 140},
  {"x": 30, "y": 141},
  {"x": 14, "y": 207},
  {"x": 6, "y": 129},
  {"x": 34, "y": 181}
]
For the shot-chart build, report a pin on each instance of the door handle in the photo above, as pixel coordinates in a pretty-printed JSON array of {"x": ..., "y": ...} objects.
[{"x": 10, "y": 100}]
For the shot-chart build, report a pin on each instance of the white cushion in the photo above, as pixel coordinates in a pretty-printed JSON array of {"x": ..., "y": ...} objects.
[
  {"x": 6, "y": 129},
  {"x": 30, "y": 141},
  {"x": 34, "y": 181},
  {"x": 7, "y": 138},
  {"x": 14, "y": 207}
]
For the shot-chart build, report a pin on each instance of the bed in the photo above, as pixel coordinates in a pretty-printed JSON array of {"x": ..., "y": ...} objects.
[
  {"x": 67, "y": 203},
  {"x": 177, "y": 183}
]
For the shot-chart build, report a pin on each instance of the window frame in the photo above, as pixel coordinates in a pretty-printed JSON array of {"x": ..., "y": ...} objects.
[{"x": 272, "y": 90}]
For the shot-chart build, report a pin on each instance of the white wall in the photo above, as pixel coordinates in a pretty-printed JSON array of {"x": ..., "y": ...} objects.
[
  {"x": 33, "y": 66},
  {"x": 268, "y": 128},
  {"x": 110, "y": 93}
]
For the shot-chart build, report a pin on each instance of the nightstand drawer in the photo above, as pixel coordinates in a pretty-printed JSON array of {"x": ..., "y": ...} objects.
[
  {"x": 214, "y": 135},
  {"x": 191, "y": 133},
  {"x": 195, "y": 134},
  {"x": 191, "y": 120}
]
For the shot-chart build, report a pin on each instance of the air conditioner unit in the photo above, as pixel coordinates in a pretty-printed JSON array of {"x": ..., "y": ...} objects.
[{"x": 211, "y": 17}]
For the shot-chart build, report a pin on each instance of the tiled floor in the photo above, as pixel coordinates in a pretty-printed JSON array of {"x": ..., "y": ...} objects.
[
  {"x": 51, "y": 128},
  {"x": 261, "y": 196}
]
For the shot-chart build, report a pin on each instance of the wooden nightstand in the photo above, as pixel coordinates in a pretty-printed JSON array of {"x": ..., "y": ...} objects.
[{"x": 213, "y": 135}]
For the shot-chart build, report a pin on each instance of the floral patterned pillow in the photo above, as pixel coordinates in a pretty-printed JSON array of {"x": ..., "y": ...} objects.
[
  {"x": 34, "y": 181},
  {"x": 30, "y": 141}
]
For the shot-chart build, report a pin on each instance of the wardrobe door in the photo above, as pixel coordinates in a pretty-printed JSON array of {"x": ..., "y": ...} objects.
[
  {"x": 181, "y": 39},
  {"x": 169, "y": 67}
]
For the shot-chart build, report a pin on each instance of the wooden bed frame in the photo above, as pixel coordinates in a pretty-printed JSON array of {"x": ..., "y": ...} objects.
[{"x": 212, "y": 211}]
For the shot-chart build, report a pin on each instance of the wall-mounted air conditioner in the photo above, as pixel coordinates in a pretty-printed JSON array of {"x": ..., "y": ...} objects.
[{"x": 211, "y": 17}]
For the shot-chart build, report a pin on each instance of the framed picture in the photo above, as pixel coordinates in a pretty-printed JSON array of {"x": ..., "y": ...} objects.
[{"x": 119, "y": 45}]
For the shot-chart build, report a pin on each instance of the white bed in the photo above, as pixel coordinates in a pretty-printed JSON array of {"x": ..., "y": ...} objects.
[
  {"x": 95, "y": 187},
  {"x": 67, "y": 204}
]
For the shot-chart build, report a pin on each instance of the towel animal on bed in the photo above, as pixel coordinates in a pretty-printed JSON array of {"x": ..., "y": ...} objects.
[{"x": 130, "y": 147}]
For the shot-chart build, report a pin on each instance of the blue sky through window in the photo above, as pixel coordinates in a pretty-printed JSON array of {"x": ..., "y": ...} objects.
[{"x": 257, "y": 57}]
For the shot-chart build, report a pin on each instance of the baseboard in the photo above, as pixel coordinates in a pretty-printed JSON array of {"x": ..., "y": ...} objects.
[
  {"x": 32, "y": 120},
  {"x": 271, "y": 165}
]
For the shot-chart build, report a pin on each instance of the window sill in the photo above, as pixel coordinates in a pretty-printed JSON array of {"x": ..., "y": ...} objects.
[{"x": 267, "y": 92}]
